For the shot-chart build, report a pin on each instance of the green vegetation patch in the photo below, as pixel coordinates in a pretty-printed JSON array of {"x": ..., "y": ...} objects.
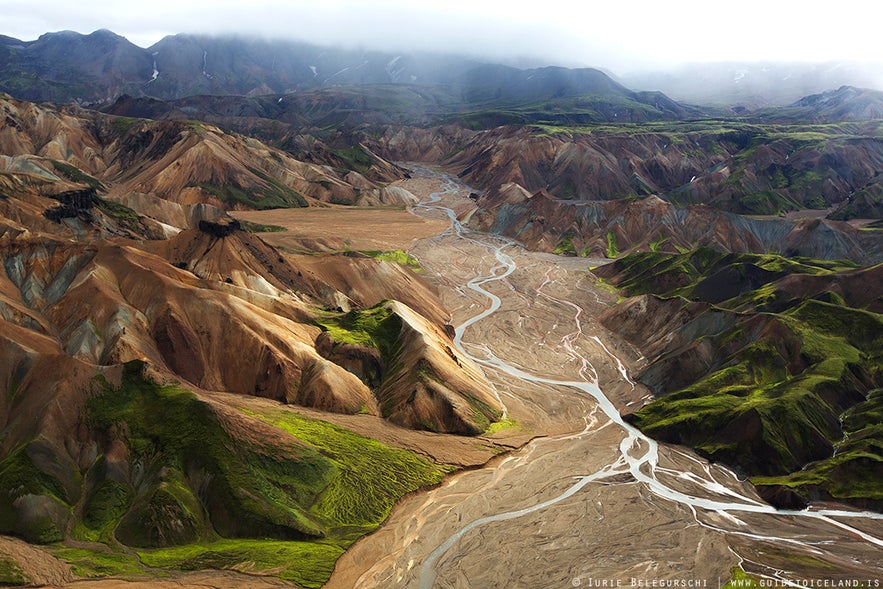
[
  {"x": 75, "y": 174},
  {"x": 101, "y": 562},
  {"x": 707, "y": 274},
  {"x": 187, "y": 469},
  {"x": 378, "y": 327},
  {"x": 398, "y": 256},
  {"x": 656, "y": 245},
  {"x": 785, "y": 395},
  {"x": 33, "y": 503},
  {"x": 565, "y": 246},
  {"x": 124, "y": 124},
  {"x": 308, "y": 564},
  {"x": 502, "y": 425},
  {"x": 612, "y": 250},
  {"x": 269, "y": 193},
  {"x": 197, "y": 498},
  {"x": 253, "y": 227},
  {"x": 371, "y": 477},
  {"x": 116, "y": 210},
  {"x": 11, "y": 574},
  {"x": 355, "y": 158},
  {"x": 855, "y": 471},
  {"x": 767, "y": 202},
  {"x": 741, "y": 580}
]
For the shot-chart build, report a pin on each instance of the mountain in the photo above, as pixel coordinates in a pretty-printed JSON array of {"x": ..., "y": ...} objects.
[
  {"x": 194, "y": 64},
  {"x": 98, "y": 68},
  {"x": 319, "y": 111},
  {"x": 180, "y": 163},
  {"x": 734, "y": 166},
  {"x": 67, "y": 67},
  {"x": 769, "y": 364},
  {"x": 152, "y": 347},
  {"x": 170, "y": 183},
  {"x": 846, "y": 103},
  {"x": 609, "y": 229},
  {"x": 753, "y": 85}
]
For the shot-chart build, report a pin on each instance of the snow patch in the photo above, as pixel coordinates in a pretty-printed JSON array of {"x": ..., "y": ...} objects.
[
  {"x": 314, "y": 70},
  {"x": 337, "y": 73},
  {"x": 390, "y": 67},
  {"x": 205, "y": 65},
  {"x": 155, "y": 72}
]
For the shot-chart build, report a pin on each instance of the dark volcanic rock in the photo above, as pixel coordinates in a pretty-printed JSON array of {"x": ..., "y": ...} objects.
[
  {"x": 221, "y": 227},
  {"x": 781, "y": 497},
  {"x": 74, "y": 203}
]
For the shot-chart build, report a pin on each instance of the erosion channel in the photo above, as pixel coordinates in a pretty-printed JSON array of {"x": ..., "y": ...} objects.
[{"x": 583, "y": 499}]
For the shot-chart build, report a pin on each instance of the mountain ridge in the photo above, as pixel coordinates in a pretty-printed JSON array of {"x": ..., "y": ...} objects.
[{"x": 186, "y": 65}]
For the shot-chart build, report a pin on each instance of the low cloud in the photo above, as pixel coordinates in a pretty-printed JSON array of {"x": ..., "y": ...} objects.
[{"x": 620, "y": 37}]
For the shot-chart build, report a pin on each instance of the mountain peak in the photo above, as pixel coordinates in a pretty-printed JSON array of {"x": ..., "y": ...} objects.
[{"x": 844, "y": 103}]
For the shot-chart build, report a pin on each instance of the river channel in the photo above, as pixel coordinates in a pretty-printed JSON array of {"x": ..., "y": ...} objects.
[{"x": 590, "y": 500}]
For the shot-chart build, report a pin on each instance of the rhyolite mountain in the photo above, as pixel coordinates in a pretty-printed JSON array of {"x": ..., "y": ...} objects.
[
  {"x": 150, "y": 345},
  {"x": 771, "y": 165},
  {"x": 169, "y": 184},
  {"x": 604, "y": 190}
]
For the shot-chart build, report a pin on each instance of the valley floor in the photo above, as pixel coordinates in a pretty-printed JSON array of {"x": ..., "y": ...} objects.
[
  {"x": 589, "y": 500},
  {"x": 581, "y": 499}
]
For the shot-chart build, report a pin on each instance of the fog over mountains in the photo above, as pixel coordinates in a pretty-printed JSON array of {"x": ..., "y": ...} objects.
[
  {"x": 98, "y": 67},
  {"x": 754, "y": 84}
]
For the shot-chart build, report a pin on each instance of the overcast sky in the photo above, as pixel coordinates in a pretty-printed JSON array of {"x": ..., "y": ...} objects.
[{"x": 615, "y": 34}]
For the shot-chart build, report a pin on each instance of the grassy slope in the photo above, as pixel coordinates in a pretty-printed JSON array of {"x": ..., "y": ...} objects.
[
  {"x": 400, "y": 257},
  {"x": 377, "y": 327},
  {"x": 194, "y": 495},
  {"x": 773, "y": 401},
  {"x": 267, "y": 193},
  {"x": 380, "y": 328}
]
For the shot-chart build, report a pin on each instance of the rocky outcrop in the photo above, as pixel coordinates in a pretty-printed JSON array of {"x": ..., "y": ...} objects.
[
  {"x": 74, "y": 203},
  {"x": 220, "y": 228}
]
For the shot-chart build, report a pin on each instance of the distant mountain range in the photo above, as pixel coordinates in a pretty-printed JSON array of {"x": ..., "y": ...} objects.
[
  {"x": 100, "y": 67},
  {"x": 753, "y": 85}
]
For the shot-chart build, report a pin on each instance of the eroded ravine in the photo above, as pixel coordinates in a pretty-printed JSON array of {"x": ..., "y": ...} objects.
[{"x": 601, "y": 501}]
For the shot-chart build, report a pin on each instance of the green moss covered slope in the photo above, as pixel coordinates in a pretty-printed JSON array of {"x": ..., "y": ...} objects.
[
  {"x": 189, "y": 486},
  {"x": 774, "y": 367}
]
